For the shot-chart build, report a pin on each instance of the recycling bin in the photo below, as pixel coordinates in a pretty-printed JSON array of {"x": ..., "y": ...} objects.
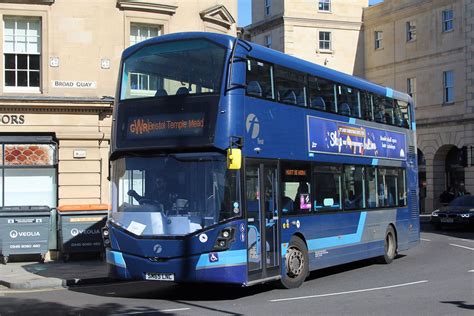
[
  {"x": 24, "y": 230},
  {"x": 80, "y": 229}
]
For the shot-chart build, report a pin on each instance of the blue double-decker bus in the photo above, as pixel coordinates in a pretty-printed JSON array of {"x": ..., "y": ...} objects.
[{"x": 235, "y": 163}]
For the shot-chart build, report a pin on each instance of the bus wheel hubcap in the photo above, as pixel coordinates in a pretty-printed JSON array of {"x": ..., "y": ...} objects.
[{"x": 294, "y": 262}]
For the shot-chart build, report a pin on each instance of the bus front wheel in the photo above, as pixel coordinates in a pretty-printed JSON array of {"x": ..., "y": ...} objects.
[
  {"x": 296, "y": 264},
  {"x": 390, "y": 246}
]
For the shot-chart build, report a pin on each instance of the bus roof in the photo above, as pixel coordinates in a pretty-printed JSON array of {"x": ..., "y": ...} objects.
[{"x": 279, "y": 58}]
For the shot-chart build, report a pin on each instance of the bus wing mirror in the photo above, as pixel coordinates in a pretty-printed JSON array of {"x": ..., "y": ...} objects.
[{"x": 234, "y": 158}]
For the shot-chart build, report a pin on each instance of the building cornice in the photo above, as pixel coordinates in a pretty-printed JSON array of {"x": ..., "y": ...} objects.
[
  {"x": 46, "y": 2},
  {"x": 265, "y": 24},
  {"x": 447, "y": 120},
  {"x": 147, "y": 5},
  {"x": 384, "y": 12},
  {"x": 337, "y": 24},
  {"x": 55, "y": 104}
]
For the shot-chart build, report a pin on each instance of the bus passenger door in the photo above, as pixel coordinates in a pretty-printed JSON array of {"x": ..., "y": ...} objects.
[{"x": 262, "y": 215}]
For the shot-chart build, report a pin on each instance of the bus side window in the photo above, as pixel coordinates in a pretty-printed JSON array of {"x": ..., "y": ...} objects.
[
  {"x": 348, "y": 101},
  {"x": 402, "y": 117},
  {"x": 328, "y": 188},
  {"x": 321, "y": 94},
  {"x": 295, "y": 188},
  {"x": 366, "y": 105},
  {"x": 290, "y": 86},
  {"x": 259, "y": 83}
]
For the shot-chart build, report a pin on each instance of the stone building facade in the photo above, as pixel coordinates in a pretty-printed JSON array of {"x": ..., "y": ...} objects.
[
  {"x": 426, "y": 49},
  {"x": 60, "y": 61},
  {"x": 324, "y": 32}
]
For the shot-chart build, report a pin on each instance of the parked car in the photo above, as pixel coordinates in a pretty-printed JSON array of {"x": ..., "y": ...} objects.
[{"x": 459, "y": 211}]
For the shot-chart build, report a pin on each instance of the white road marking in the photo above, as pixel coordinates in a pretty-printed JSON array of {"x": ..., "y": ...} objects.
[
  {"x": 424, "y": 239},
  {"x": 174, "y": 310},
  {"x": 472, "y": 271},
  {"x": 348, "y": 292},
  {"x": 462, "y": 239},
  {"x": 160, "y": 311},
  {"x": 462, "y": 247},
  {"x": 12, "y": 291}
]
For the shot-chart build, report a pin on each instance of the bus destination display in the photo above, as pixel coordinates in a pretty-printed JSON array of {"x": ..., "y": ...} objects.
[
  {"x": 169, "y": 125},
  {"x": 327, "y": 136}
]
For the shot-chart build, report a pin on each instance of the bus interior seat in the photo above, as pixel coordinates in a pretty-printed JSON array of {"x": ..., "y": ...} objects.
[
  {"x": 287, "y": 203},
  {"x": 300, "y": 100},
  {"x": 318, "y": 102},
  {"x": 289, "y": 96},
  {"x": 254, "y": 88},
  {"x": 345, "y": 109},
  {"x": 161, "y": 93},
  {"x": 182, "y": 91}
]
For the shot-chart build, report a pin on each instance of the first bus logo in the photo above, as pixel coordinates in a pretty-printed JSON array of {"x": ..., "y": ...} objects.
[{"x": 252, "y": 125}]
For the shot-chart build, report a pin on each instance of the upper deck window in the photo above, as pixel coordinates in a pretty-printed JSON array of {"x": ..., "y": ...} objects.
[
  {"x": 173, "y": 68},
  {"x": 290, "y": 86},
  {"x": 260, "y": 79}
]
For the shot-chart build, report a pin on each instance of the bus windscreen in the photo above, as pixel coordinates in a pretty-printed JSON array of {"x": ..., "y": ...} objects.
[{"x": 173, "y": 68}]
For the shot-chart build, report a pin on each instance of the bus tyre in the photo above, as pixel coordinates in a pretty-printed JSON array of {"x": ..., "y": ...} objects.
[
  {"x": 390, "y": 246},
  {"x": 296, "y": 264}
]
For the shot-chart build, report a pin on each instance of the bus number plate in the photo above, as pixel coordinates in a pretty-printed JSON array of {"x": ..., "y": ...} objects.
[{"x": 159, "y": 276}]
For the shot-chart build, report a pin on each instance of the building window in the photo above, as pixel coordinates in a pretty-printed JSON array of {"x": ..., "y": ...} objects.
[
  {"x": 325, "y": 40},
  {"x": 268, "y": 5},
  {"x": 28, "y": 174},
  {"x": 141, "y": 32},
  {"x": 268, "y": 41},
  {"x": 22, "y": 52},
  {"x": 448, "y": 83},
  {"x": 324, "y": 5},
  {"x": 448, "y": 20},
  {"x": 378, "y": 39},
  {"x": 411, "y": 31},
  {"x": 411, "y": 88}
]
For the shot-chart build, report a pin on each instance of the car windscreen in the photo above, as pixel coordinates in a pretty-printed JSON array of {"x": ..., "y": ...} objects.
[{"x": 466, "y": 200}]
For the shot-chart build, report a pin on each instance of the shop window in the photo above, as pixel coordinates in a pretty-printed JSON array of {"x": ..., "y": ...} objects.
[
  {"x": 259, "y": 79},
  {"x": 354, "y": 187},
  {"x": 290, "y": 86},
  {"x": 22, "y": 53},
  {"x": 327, "y": 188},
  {"x": 295, "y": 188},
  {"x": 28, "y": 175}
]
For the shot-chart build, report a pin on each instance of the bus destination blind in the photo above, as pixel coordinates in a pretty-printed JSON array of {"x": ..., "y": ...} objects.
[
  {"x": 334, "y": 137},
  {"x": 166, "y": 125}
]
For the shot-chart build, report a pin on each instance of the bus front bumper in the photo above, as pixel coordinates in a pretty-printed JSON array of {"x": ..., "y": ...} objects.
[{"x": 190, "y": 269}]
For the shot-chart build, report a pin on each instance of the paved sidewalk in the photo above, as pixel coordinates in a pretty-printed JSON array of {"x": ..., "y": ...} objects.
[{"x": 52, "y": 274}]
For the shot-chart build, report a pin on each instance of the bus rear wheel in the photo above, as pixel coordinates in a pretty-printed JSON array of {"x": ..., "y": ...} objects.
[
  {"x": 390, "y": 246},
  {"x": 296, "y": 264}
]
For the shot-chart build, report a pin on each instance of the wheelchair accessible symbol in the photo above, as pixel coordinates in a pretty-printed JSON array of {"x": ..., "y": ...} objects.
[{"x": 213, "y": 257}]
